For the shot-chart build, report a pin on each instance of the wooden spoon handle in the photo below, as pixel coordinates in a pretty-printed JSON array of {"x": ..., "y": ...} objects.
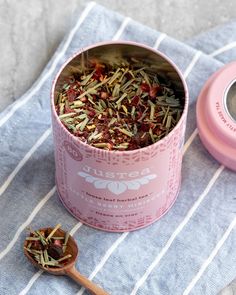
[{"x": 86, "y": 283}]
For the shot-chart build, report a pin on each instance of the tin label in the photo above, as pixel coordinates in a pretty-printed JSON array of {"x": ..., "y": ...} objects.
[{"x": 117, "y": 191}]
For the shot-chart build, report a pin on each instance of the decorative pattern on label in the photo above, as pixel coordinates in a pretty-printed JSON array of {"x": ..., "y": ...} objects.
[{"x": 115, "y": 186}]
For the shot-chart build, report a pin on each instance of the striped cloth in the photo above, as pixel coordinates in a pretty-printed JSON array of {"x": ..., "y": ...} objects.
[{"x": 191, "y": 250}]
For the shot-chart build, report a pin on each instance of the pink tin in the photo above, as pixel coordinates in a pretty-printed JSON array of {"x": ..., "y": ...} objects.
[
  {"x": 119, "y": 190},
  {"x": 216, "y": 115}
]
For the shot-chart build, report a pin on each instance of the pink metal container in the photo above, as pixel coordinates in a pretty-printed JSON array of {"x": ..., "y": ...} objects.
[
  {"x": 216, "y": 115},
  {"x": 119, "y": 190}
]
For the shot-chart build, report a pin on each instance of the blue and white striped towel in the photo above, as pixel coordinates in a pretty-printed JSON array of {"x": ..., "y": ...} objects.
[{"x": 191, "y": 250}]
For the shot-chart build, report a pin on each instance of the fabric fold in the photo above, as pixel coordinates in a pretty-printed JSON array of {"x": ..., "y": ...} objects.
[{"x": 191, "y": 250}]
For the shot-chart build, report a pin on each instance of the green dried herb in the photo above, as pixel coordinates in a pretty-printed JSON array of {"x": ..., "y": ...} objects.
[
  {"x": 126, "y": 132},
  {"x": 119, "y": 106},
  {"x": 47, "y": 249}
]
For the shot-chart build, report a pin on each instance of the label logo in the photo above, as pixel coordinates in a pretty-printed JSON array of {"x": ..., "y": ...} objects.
[{"x": 73, "y": 151}]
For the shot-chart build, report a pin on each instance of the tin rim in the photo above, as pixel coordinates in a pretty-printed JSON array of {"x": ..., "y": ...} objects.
[{"x": 168, "y": 60}]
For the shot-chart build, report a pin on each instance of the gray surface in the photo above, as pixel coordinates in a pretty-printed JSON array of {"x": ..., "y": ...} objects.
[{"x": 31, "y": 30}]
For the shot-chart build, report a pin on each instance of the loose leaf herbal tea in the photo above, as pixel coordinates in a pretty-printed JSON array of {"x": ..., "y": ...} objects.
[
  {"x": 123, "y": 106},
  {"x": 48, "y": 249}
]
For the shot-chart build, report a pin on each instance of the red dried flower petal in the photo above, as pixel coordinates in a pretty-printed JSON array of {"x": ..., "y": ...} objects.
[
  {"x": 152, "y": 125},
  {"x": 104, "y": 95},
  {"x": 36, "y": 245},
  {"x": 71, "y": 94},
  {"x": 57, "y": 242},
  {"x": 78, "y": 133},
  {"x": 157, "y": 131},
  {"x": 97, "y": 75},
  {"x": 92, "y": 113},
  {"x": 99, "y": 72},
  {"x": 139, "y": 115},
  {"x": 159, "y": 119},
  {"x": 145, "y": 87},
  {"x": 132, "y": 146},
  {"x": 84, "y": 99},
  {"x": 135, "y": 100},
  {"x": 144, "y": 127},
  {"x": 154, "y": 90},
  {"x": 109, "y": 146},
  {"x": 68, "y": 110}
]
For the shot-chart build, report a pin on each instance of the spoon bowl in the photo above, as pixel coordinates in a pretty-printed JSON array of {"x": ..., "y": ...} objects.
[{"x": 69, "y": 267}]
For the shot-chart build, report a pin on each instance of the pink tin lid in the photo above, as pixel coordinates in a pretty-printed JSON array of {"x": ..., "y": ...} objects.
[{"x": 216, "y": 115}]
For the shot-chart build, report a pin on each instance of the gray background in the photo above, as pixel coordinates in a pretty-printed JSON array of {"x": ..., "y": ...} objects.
[{"x": 30, "y": 31}]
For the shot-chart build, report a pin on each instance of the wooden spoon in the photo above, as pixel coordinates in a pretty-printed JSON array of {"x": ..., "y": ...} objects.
[{"x": 69, "y": 268}]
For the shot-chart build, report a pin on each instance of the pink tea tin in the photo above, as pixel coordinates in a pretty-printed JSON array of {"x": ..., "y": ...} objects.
[
  {"x": 216, "y": 115},
  {"x": 119, "y": 190}
]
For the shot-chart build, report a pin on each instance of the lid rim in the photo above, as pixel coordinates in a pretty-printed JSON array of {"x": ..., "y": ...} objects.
[{"x": 217, "y": 132}]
